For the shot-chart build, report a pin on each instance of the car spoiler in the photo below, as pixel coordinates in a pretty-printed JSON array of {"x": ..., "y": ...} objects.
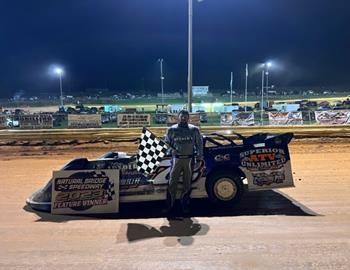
[{"x": 266, "y": 138}]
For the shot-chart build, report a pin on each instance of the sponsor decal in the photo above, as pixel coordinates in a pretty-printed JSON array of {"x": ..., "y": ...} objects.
[
  {"x": 266, "y": 168},
  {"x": 135, "y": 183},
  {"x": 264, "y": 178},
  {"x": 263, "y": 158},
  {"x": 124, "y": 167},
  {"x": 163, "y": 172},
  {"x": 183, "y": 139},
  {"x": 220, "y": 158},
  {"x": 132, "y": 179}
]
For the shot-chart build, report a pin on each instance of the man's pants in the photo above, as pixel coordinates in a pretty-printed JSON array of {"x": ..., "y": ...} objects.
[{"x": 183, "y": 165}]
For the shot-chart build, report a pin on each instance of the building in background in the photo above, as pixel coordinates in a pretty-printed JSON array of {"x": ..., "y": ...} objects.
[{"x": 200, "y": 90}]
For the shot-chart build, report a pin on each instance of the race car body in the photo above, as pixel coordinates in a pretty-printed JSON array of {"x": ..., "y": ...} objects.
[{"x": 261, "y": 160}]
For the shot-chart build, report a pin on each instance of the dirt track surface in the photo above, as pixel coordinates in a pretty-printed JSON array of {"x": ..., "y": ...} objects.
[{"x": 306, "y": 227}]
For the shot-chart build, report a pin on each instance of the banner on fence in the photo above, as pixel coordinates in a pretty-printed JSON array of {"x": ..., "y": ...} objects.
[
  {"x": 285, "y": 118},
  {"x": 237, "y": 119},
  {"x": 194, "y": 119},
  {"x": 35, "y": 121},
  {"x": 85, "y": 192},
  {"x": 242, "y": 118},
  {"x": 133, "y": 119},
  {"x": 84, "y": 120},
  {"x": 333, "y": 117},
  {"x": 226, "y": 119},
  {"x": 3, "y": 123}
]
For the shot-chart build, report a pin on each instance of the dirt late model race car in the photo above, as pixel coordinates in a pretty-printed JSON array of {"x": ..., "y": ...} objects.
[{"x": 231, "y": 165}]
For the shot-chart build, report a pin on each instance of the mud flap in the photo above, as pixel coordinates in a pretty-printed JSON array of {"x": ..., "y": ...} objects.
[{"x": 85, "y": 192}]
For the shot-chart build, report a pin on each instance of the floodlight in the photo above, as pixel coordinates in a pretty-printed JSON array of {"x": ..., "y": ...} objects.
[{"x": 59, "y": 71}]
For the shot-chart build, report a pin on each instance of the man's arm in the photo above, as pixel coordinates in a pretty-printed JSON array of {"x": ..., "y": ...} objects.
[
  {"x": 198, "y": 144},
  {"x": 169, "y": 141}
]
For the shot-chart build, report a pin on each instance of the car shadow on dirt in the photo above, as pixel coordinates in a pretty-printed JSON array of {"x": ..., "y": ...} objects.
[
  {"x": 180, "y": 229},
  {"x": 174, "y": 231},
  {"x": 267, "y": 202}
]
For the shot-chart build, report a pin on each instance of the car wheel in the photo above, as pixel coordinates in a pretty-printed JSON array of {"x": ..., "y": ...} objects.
[{"x": 224, "y": 188}]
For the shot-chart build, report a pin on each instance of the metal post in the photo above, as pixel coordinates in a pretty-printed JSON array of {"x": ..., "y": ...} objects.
[
  {"x": 60, "y": 75},
  {"x": 262, "y": 96},
  {"x": 161, "y": 79},
  {"x": 231, "y": 82},
  {"x": 189, "y": 78},
  {"x": 267, "y": 83},
  {"x": 246, "y": 87},
  {"x": 309, "y": 118}
]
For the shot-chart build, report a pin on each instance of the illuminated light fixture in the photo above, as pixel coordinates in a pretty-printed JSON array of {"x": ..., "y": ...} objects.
[{"x": 59, "y": 71}]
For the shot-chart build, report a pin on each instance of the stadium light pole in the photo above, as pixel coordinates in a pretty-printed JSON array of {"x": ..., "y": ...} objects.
[
  {"x": 161, "y": 78},
  {"x": 231, "y": 82},
  {"x": 189, "y": 72},
  {"x": 268, "y": 65},
  {"x": 262, "y": 95},
  {"x": 246, "y": 87},
  {"x": 190, "y": 65},
  {"x": 59, "y": 72}
]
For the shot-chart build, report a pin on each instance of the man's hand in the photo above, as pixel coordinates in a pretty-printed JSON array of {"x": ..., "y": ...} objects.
[{"x": 198, "y": 159}]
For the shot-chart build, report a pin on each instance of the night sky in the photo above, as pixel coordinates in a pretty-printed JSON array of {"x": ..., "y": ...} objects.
[{"x": 115, "y": 44}]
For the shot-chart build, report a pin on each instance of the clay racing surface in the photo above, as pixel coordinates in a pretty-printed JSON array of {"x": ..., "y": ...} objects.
[{"x": 306, "y": 227}]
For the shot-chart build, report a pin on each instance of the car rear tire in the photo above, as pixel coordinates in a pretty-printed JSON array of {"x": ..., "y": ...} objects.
[{"x": 224, "y": 188}]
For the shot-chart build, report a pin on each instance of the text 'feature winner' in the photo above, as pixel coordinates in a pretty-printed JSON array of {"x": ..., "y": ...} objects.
[{"x": 84, "y": 192}]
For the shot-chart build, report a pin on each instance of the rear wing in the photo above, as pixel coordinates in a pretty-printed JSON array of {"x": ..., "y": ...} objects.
[{"x": 251, "y": 141}]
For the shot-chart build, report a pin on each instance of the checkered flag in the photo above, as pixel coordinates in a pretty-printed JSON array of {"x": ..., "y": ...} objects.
[
  {"x": 151, "y": 152},
  {"x": 110, "y": 192}
]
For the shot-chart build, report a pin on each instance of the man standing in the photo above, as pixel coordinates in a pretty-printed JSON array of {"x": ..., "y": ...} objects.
[{"x": 185, "y": 141}]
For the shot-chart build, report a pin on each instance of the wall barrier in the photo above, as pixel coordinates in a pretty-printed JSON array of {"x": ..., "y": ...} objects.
[{"x": 84, "y": 121}]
